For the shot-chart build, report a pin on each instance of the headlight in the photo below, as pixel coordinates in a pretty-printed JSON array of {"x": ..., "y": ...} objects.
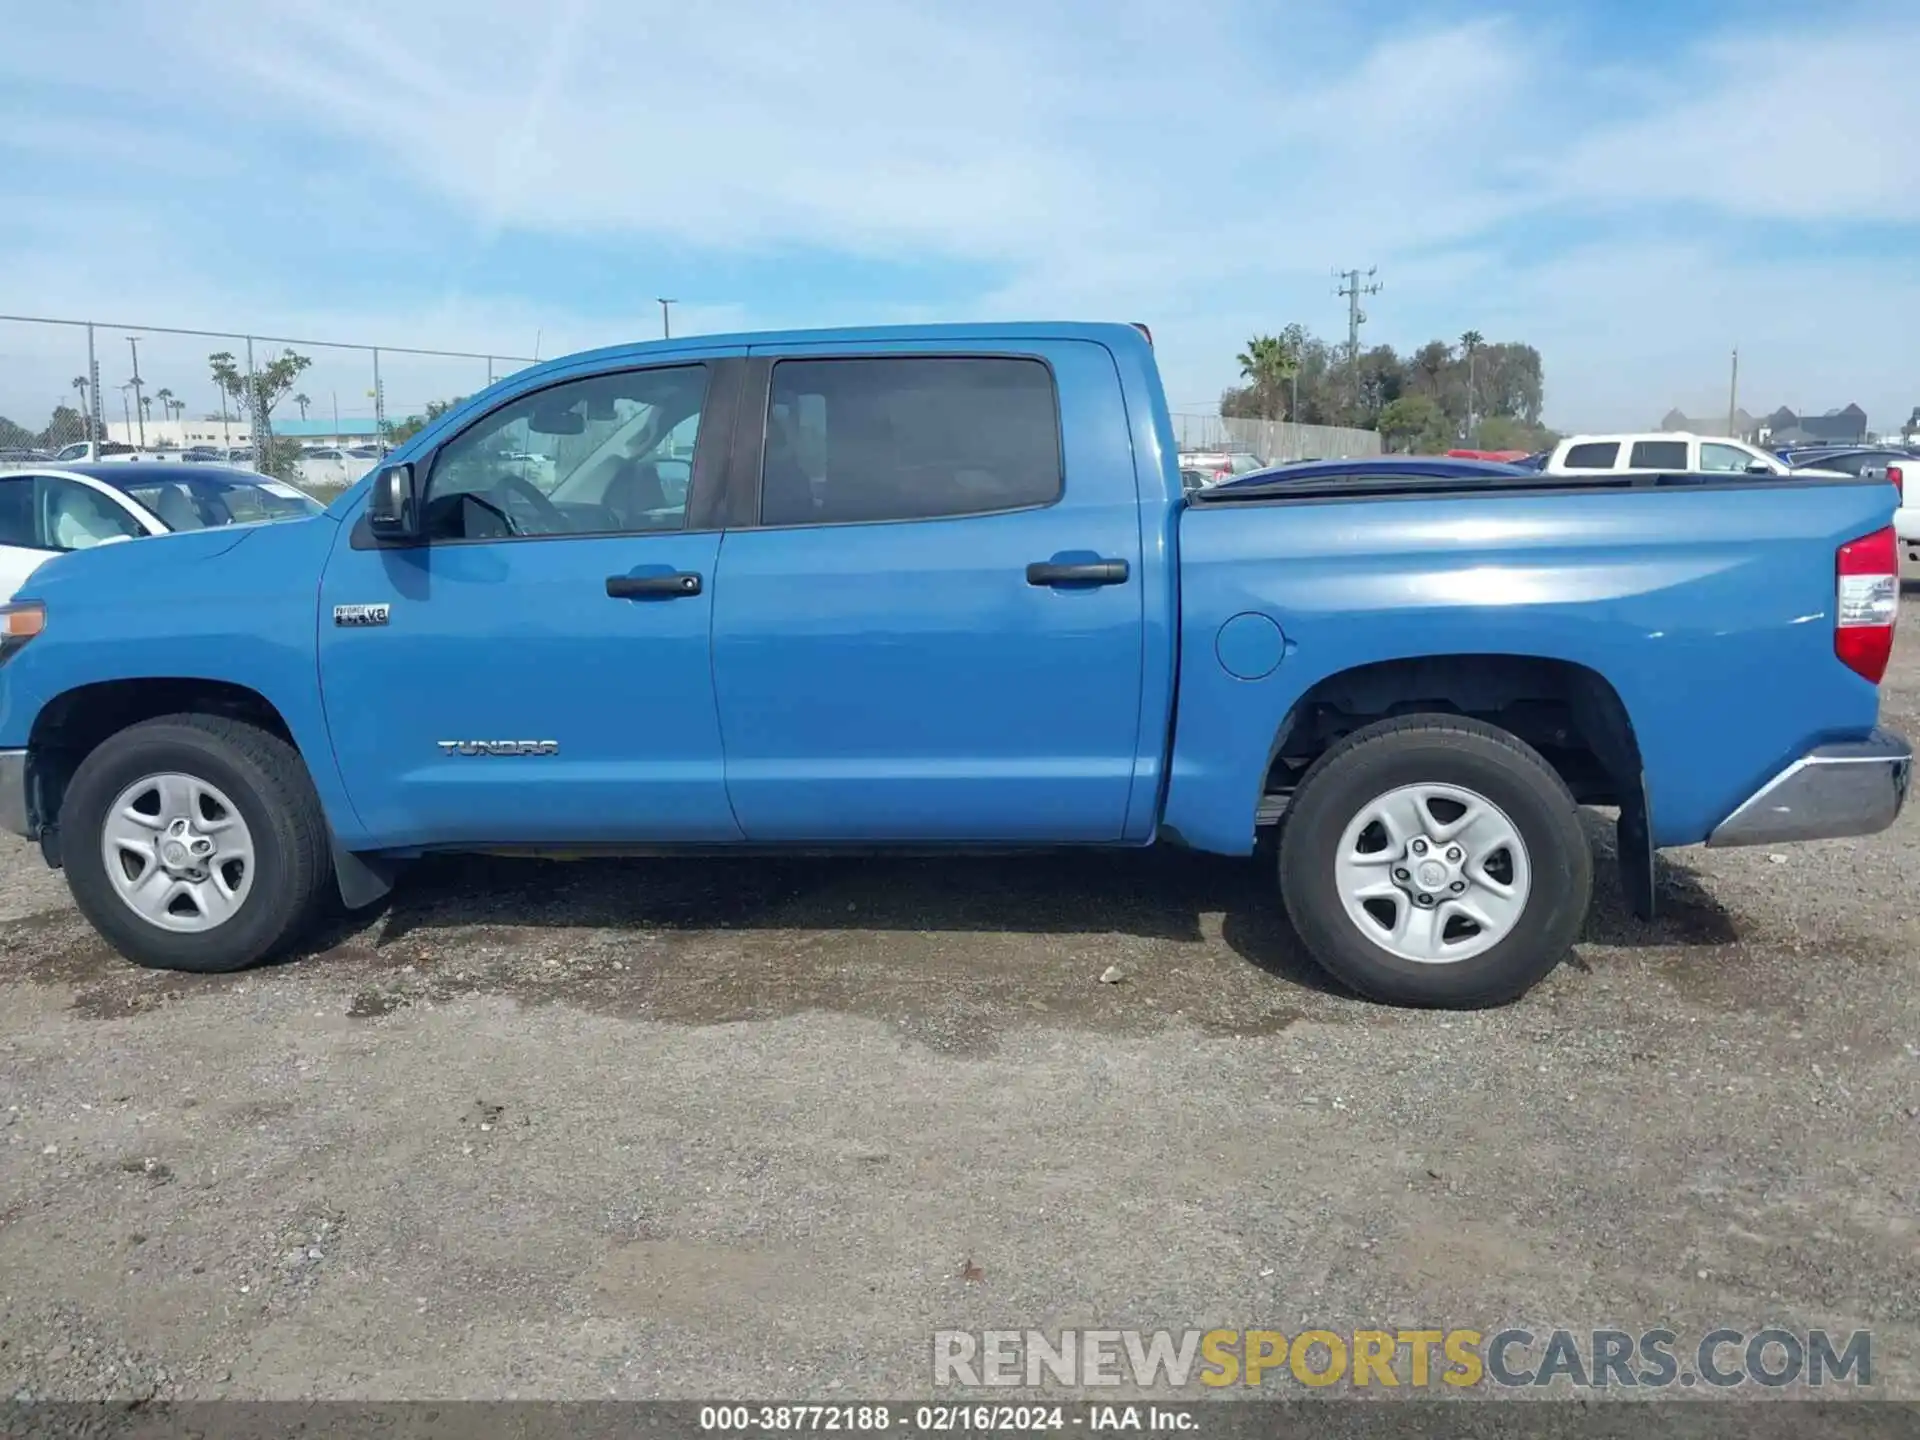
[{"x": 18, "y": 625}]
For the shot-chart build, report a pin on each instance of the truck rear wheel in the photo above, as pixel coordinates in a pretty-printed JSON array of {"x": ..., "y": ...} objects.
[
  {"x": 1435, "y": 860},
  {"x": 195, "y": 843}
]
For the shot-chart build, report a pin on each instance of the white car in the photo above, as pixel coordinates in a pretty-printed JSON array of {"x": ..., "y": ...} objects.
[
  {"x": 1665, "y": 452},
  {"x": 52, "y": 509}
]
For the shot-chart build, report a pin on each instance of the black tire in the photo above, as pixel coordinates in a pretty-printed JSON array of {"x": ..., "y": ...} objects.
[
  {"x": 265, "y": 778},
  {"x": 1436, "y": 749}
]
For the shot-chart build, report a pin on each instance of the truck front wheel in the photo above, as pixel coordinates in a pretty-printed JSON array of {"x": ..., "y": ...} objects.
[
  {"x": 194, "y": 842},
  {"x": 1435, "y": 860}
]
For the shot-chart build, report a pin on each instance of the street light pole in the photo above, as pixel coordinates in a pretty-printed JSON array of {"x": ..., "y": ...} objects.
[
  {"x": 133, "y": 344},
  {"x": 666, "y": 324}
]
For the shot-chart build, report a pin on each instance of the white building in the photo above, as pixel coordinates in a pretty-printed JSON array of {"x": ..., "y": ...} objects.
[{"x": 180, "y": 434}]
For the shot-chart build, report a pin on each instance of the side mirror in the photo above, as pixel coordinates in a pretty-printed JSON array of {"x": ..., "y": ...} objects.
[
  {"x": 390, "y": 509},
  {"x": 1759, "y": 468}
]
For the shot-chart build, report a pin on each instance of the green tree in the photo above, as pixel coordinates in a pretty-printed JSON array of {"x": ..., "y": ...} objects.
[
  {"x": 1269, "y": 362},
  {"x": 303, "y": 402},
  {"x": 81, "y": 385},
  {"x": 66, "y": 426},
  {"x": 1411, "y": 422},
  {"x": 1507, "y": 432},
  {"x": 256, "y": 395}
]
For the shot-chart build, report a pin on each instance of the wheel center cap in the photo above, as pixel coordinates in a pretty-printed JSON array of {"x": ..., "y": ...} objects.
[
  {"x": 174, "y": 853},
  {"x": 1432, "y": 874}
]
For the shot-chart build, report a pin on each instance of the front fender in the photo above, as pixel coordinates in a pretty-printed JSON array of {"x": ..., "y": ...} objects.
[{"x": 234, "y": 606}]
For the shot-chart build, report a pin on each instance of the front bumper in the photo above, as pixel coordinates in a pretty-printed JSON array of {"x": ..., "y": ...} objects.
[
  {"x": 13, "y": 794},
  {"x": 1855, "y": 787}
]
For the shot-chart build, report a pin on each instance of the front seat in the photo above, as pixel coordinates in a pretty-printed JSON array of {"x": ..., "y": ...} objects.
[
  {"x": 175, "y": 510},
  {"x": 633, "y": 491},
  {"x": 81, "y": 520}
]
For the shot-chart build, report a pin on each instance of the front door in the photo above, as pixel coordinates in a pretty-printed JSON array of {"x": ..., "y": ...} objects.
[
  {"x": 537, "y": 671},
  {"x": 935, "y": 631}
]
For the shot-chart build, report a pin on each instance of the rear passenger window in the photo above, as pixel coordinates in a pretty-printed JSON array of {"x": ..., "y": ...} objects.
[
  {"x": 1658, "y": 455},
  {"x": 912, "y": 438},
  {"x": 1596, "y": 456}
]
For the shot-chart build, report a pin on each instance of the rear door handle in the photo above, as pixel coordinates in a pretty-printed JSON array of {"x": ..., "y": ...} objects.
[
  {"x": 1083, "y": 572},
  {"x": 653, "y": 587}
]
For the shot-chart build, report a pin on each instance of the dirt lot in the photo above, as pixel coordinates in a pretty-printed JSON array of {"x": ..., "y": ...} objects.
[{"x": 710, "y": 1130}]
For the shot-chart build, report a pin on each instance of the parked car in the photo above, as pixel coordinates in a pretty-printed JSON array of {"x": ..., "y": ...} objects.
[
  {"x": 1663, "y": 451},
  {"x": 20, "y": 455},
  {"x": 1218, "y": 465},
  {"x": 53, "y": 510},
  {"x": 950, "y": 595},
  {"x": 89, "y": 450}
]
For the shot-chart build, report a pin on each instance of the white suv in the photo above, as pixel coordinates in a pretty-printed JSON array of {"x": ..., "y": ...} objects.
[{"x": 1667, "y": 452}]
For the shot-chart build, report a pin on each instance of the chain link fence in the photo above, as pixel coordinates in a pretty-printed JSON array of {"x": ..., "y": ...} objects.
[
  {"x": 321, "y": 413},
  {"x": 1276, "y": 442},
  {"x": 317, "y": 413}
]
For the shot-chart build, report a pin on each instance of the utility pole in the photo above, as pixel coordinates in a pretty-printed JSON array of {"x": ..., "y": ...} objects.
[
  {"x": 1351, "y": 290},
  {"x": 1733, "y": 397},
  {"x": 666, "y": 324},
  {"x": 133, "y": 344},
  {"x": 96, "y": 417}
]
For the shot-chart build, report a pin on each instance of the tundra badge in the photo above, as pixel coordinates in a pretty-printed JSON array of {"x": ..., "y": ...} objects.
[
  {"x": 354, "y": 615},
  {"x": 498, "y": 747}
]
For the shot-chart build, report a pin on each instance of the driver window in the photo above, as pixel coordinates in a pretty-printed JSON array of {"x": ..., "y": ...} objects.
[{"x": 605, "y": 455}]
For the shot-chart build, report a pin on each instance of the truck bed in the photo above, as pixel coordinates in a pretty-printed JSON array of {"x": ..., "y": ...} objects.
[{"x": 1707, "y": 606}]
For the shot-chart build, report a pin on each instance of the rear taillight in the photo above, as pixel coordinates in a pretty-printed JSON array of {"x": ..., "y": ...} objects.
[
  {"x": 1866, "y": 602},
  {"x": 1899, "y": 479}
]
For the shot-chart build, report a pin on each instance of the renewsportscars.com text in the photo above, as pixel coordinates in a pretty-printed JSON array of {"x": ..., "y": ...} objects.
[{"x": 1440, "y": 1358}]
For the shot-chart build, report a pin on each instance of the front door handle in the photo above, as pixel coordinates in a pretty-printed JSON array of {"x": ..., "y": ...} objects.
[
  {"x": 1081, "y": 572},
  {"x": 653, "y": 587}
]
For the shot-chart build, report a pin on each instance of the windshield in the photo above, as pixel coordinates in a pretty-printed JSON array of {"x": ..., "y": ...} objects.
[{"x": 205, "y": 500}]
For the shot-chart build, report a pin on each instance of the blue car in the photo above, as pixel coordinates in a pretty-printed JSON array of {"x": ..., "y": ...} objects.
[{"x": 942, "y": 586}]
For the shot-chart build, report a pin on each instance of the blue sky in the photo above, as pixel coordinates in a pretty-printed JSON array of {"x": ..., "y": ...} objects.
[{"x": 1636, "y": 188}]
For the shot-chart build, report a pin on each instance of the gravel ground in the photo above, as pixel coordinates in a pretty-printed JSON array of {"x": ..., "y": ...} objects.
[{"x": 757, "y": 1129}]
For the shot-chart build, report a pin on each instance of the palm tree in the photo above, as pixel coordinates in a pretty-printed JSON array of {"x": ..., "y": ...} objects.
[
  {"x": 81, "y": 387},
  {"x": 1470, "y": 342},
  {"x": 165, "y": 397},
  {"x": 1269, "y": 361},
  {"x": 303, "y": 402}
]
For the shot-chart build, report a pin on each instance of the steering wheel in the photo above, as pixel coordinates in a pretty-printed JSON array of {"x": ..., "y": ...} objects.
[{"x": 517, "y": 491}]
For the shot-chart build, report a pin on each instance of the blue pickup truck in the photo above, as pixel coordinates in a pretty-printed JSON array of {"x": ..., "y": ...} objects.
[{"x": 941, "y": 587}]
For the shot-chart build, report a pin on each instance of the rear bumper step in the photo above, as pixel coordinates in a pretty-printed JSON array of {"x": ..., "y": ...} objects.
[{"x": 1855, "y": 787}]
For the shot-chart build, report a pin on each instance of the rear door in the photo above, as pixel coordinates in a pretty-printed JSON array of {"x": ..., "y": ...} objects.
[{"x": 934, "y": 630}]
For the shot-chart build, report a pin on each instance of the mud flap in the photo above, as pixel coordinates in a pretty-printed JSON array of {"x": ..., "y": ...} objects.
[{"x": 363, "y": 880}]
